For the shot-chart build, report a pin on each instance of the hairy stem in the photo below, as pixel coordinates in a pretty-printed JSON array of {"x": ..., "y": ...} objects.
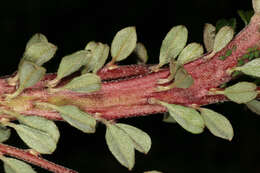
[
  {"x": 33, "y": 159},
  {"x": 126, "y": 90}
]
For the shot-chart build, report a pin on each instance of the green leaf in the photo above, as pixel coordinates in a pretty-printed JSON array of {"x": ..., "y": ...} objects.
[
  {"x": 102, "y": 58},
  {"x": 141, "y": 140},
  {"x": 188, "y": 118},
  {"x": 99, "y": 56},
  {"x": 226, "y": 22},
  {"x": 91, "y": 46},
  {"x": 168, "y": 119},
  {"x": 254, "y": 106},
  {"x": 191, "y": 52},
  {"x": 36, "y": 139},
  {"x": 72, "y": 63},
  {"x": 241, "y": 92},
  {"x": 141, "y": 53},
  {"x": 120, "y": 145},
  {"x": 173, "y": 44},
  {"x": 223, "y": 37},
  {"x": 40, "y": 52},
  {"x": 251, "y": 68},
  {"x": 123, "y": 43},
  {"x": 245, "y": 15},
  {"x": 16, "y": 166},
  {"x": 5, "y": 133},
  {"x": 85, "y": 83},
  {"x": 36, "y": 38},
  {"x": 217, "y": 124},
  {"x": 30, "y": 74},
  {"x": 182, "y": 79},
  {"x": 77, "y": 118},
  {"x": 256, "y": 6},
  {"x": 209, "y": 34},
  {"x": 152, "y": 171},
  {"x": 41, "y": 124}
]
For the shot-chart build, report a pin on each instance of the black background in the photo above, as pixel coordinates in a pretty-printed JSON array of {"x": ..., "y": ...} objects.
[{"x": 71, "y": 24}]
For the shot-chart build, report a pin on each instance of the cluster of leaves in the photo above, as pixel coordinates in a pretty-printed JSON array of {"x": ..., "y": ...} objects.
[
  {"x": 215, "y": 39},
  {"x": 38, "y": 133},
  {"x": 42, "y": 135},
  {"x": 193, "y": 121},
  {"x": 172, "y": 46}
]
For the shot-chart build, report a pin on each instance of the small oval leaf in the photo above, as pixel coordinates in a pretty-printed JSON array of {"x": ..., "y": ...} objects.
[
  {"x": 223, "y": 37},
  {"x": 36, "y": 38},
  {"x": 191, "y": 52},
  {"x": 102, "y": 58},
  {"x": 209, "y": 34},
  {"x": 141, "y": 53},
  {"x": 254, "y": 106},
  {"x": 241, "y": 92},
  {"x": 123, "y": 43},
  {"x": 91, "y": 46},
  {"x": 120, "y": 145},
  {"x": 251, "y": 68},
  {"x": 232, "y": 22},
  {"x": 72, "y": 63},
  {"x": 85, "y": 83},
  {"x": 153, "y": 171},
  {"x": 256, "y": 6},
  {"x": 141, "y": 140},
  {"x": 41, "y": 124},
  {"x": 40, "y": 52},
  {"x": 38, "y": 140},
  {"x": 173, "y": 44},
  {"x": 217, "y": 124},
  {"x": 5, "y": 133},
  {"x": 182, "y": 79},
  {"x": 188, "y": 118},
  {"x": 16, "y": 166},
  {"x": 30, "y": 74},
  {"x": 77, "y": 118},
  {"x": 99, "y": 56}
]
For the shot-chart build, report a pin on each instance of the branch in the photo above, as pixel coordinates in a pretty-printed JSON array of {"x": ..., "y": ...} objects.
[
  {"x": 129, "y": 94},
  {"x": 33, "y": 159}
]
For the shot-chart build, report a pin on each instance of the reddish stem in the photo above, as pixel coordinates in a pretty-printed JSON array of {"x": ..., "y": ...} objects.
[
  {"x": 33, "y": 159},
  {"x": 122, "y": 72},
  {"x": 129, "y": 94}
]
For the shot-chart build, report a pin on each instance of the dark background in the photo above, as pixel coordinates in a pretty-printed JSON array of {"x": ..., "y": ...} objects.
[{"x": 71, "y": 24}]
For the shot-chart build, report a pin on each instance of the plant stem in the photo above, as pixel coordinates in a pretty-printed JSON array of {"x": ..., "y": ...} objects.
[
  {"x": 126, "y": 90},
  {"x": 27, "y": 156}
]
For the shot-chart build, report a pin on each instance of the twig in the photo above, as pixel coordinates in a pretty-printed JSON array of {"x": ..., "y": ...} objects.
[{"x": 33, "y": 159}]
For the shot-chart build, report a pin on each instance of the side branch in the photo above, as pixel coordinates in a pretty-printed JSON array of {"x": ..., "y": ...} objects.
[{"x": 33, "y": 159}]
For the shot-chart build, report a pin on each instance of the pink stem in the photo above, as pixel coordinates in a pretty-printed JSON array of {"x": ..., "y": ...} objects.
[
  {"x": 129, "y": 94},
  {"x": 33, "y": 159}
]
